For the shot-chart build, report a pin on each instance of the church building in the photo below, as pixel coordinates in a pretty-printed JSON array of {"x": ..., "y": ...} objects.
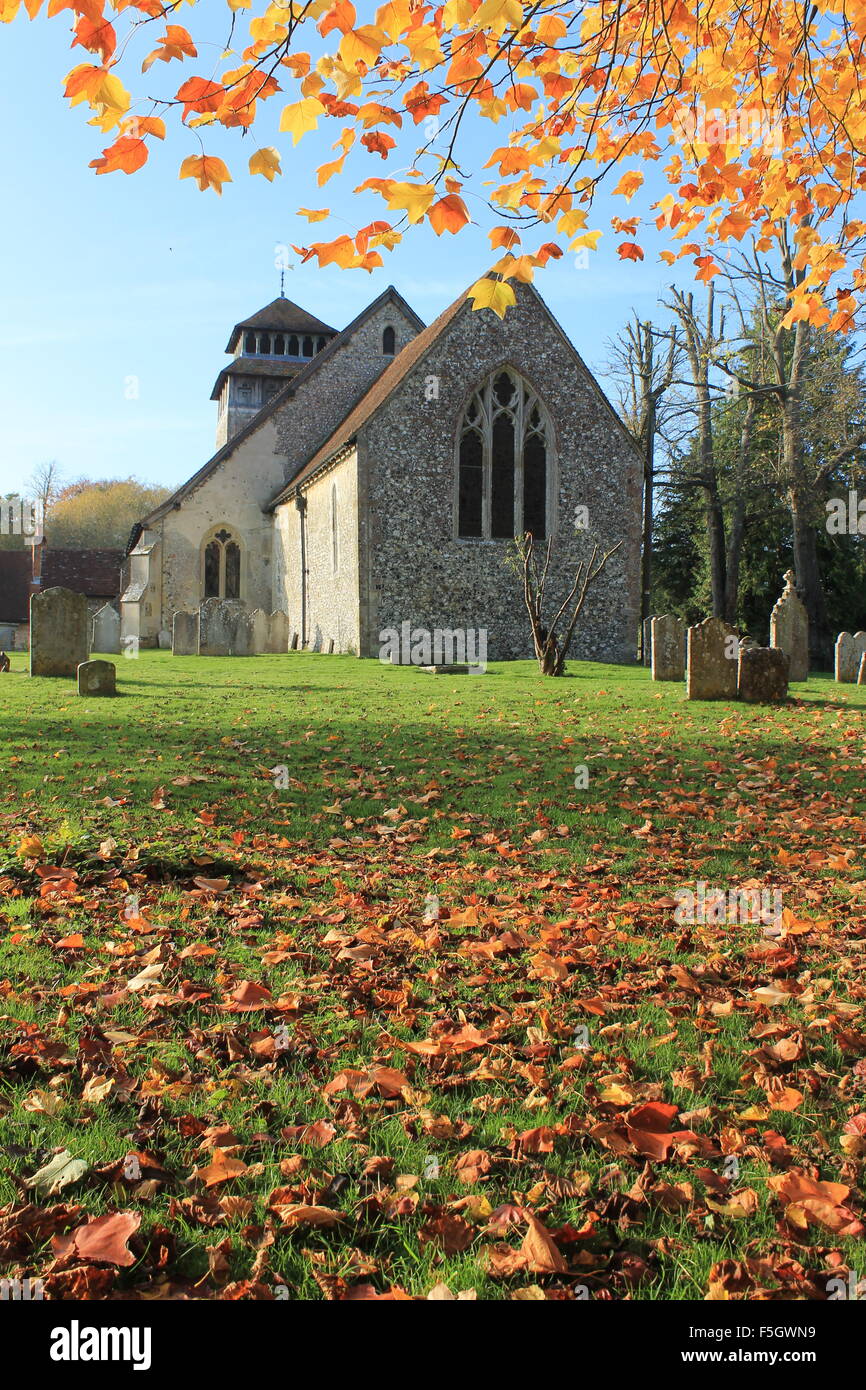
[{"x": 375, "y": 476}]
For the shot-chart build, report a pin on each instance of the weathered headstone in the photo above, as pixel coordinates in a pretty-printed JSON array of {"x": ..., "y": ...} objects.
[
  {"x": 646, "y": 644},
  {"x": 259, "y": 620},
  {"x": 184, "y": 634},
  {"x": 763, "y": 675},
  {"x": 225, "y": 628},
  {"x": 846, "y": 659},
  {"x": 713, "y": 658},
  {"x": 859, "y": 646},
  {"x": 97, "y": 678},
  {"x": 105, "y": 630},
  {"x": 164, "y": 640},
  {"x": 668, "y": 636},
  {"x": 58, "y": 632},
  {"x": 861, "y": 674},
  {"x": 789, "y": 629},
  {"x": 278, "y": 632}
]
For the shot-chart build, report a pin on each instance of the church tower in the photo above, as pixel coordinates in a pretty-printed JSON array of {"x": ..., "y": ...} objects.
[{"x": 267, "y": 350}]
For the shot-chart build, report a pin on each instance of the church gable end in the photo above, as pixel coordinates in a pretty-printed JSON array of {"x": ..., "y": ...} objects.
[{"x": 499, "y": 425}]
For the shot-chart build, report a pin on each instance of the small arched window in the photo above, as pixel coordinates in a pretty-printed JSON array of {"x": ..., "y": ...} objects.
[
  {"x": 294, "y": 349},
  {"x": 279, "y": 346},
  {"x": 250, "y": 342},
  {"x": 265, "y": 344},
  {"x": 335, "y": 532},
  {"x": 389, "y": 341},
  {"x": 504, "y": 460},
  {"x": 308, "y": 347},
  {"x": 222, "y": 566},
  {"x": 320, "y": 343}
]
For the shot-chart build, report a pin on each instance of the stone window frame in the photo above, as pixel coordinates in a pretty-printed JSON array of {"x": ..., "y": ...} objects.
[
  {"x": 389, "y": 341},
  {"x": 214, "y": 535},
  {"x": 530, "y": 396}
]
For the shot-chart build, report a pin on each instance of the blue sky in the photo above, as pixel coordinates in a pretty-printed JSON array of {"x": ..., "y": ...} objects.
[{"x": 120, "y": 284}]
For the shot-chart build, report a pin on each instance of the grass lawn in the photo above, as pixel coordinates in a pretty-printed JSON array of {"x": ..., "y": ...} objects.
[{"x": 322, "y": 979}]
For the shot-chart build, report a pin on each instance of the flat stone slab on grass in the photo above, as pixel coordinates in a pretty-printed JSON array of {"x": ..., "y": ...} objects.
[
  {"x": 97, "y": 678},
  {"x": 445, "y": 670},
  {"x": 763, "y": 675},
  {"x": 59, "y": 632}
]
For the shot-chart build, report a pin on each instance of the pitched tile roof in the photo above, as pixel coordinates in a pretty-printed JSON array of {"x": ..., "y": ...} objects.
[
  {"x": 92, "y": 572},
  {"x": 15, "y": 571},
  {"x": 282, "y": 316}
]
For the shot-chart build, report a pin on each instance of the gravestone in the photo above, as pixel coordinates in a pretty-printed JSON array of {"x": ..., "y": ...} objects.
[
  {"x": 97, "y": 678},
  {"x": 647, "y": 642},
  {"x": 762, "y": 675},
  {"x": 668, "y": 648},
  {"x": 164, "y": 640},
  {"x": 278, "y": 632},
  {"x": 294, "y": 646},
  {"x": 184, "y": 634},
  {"x": 846, "y": 659},
  {"x": 859, "y": 647},
  {"x": 789, "y": 629},
  {"x": 259, "y": 620},
  {"x": 713, "y": 657},
  {"x": 225, "y": 628},
  {"x": 105, "y": 630},
  {"x": 861, "y": 674},
  {"x": 58, "y": 632}
]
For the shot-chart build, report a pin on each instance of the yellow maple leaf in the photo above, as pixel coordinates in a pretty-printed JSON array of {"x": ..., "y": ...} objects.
[
  {"x": 266, "y": 161},
  {"x": 492, "y": 294},
  {"x": 314, "y": 214},
  {"x": 301, "y": 116}
]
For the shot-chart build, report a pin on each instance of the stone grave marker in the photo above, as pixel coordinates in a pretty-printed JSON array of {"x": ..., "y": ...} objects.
[
  {"x": 225, "y": 628},
  {"x": 668, "y": 648},
  {"x": 58, "y": 632},
  {"x": 763, "y": 675},
  {"x": 713, "y": 661},
  {"x": 97, "y": 678},
  {"x": 105, "y": 630},
  {"x": 184, "y": 634},
  {"x": 789, "y": 629}
]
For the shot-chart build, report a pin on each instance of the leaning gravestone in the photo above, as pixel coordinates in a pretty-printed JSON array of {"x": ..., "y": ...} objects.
[
  {"x": 763, "y": 675},
  {"x": 58, "y": 632},
  {"x": 225, "y": 628},
  {"x": 278, "y": 632},
  {"x": 713, "y": 653},
  {"x": 105, "y": 631},
  {"x": 646, "y": 645},
  {"x": 97, "y": 678},
  {"x": 789, "y": 629},
  {"x": 259, "y": 620},
  {"x": 668, "y": 648},
  {"x": 184, "y": 634},
  {"x": 846, "y": 659}
]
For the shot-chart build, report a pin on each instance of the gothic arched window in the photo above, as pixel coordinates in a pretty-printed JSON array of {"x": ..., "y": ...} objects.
[
  {"x": 308, "y": 347},
  {"x": 389, "y": 341},
  {"x": 222, "y": 566},
  {"x": 504, "y": 461},
  {"x": 294, "y": 348},
  {"x": 249, "y": 342},
  {"x": 279, "y": 346}
]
